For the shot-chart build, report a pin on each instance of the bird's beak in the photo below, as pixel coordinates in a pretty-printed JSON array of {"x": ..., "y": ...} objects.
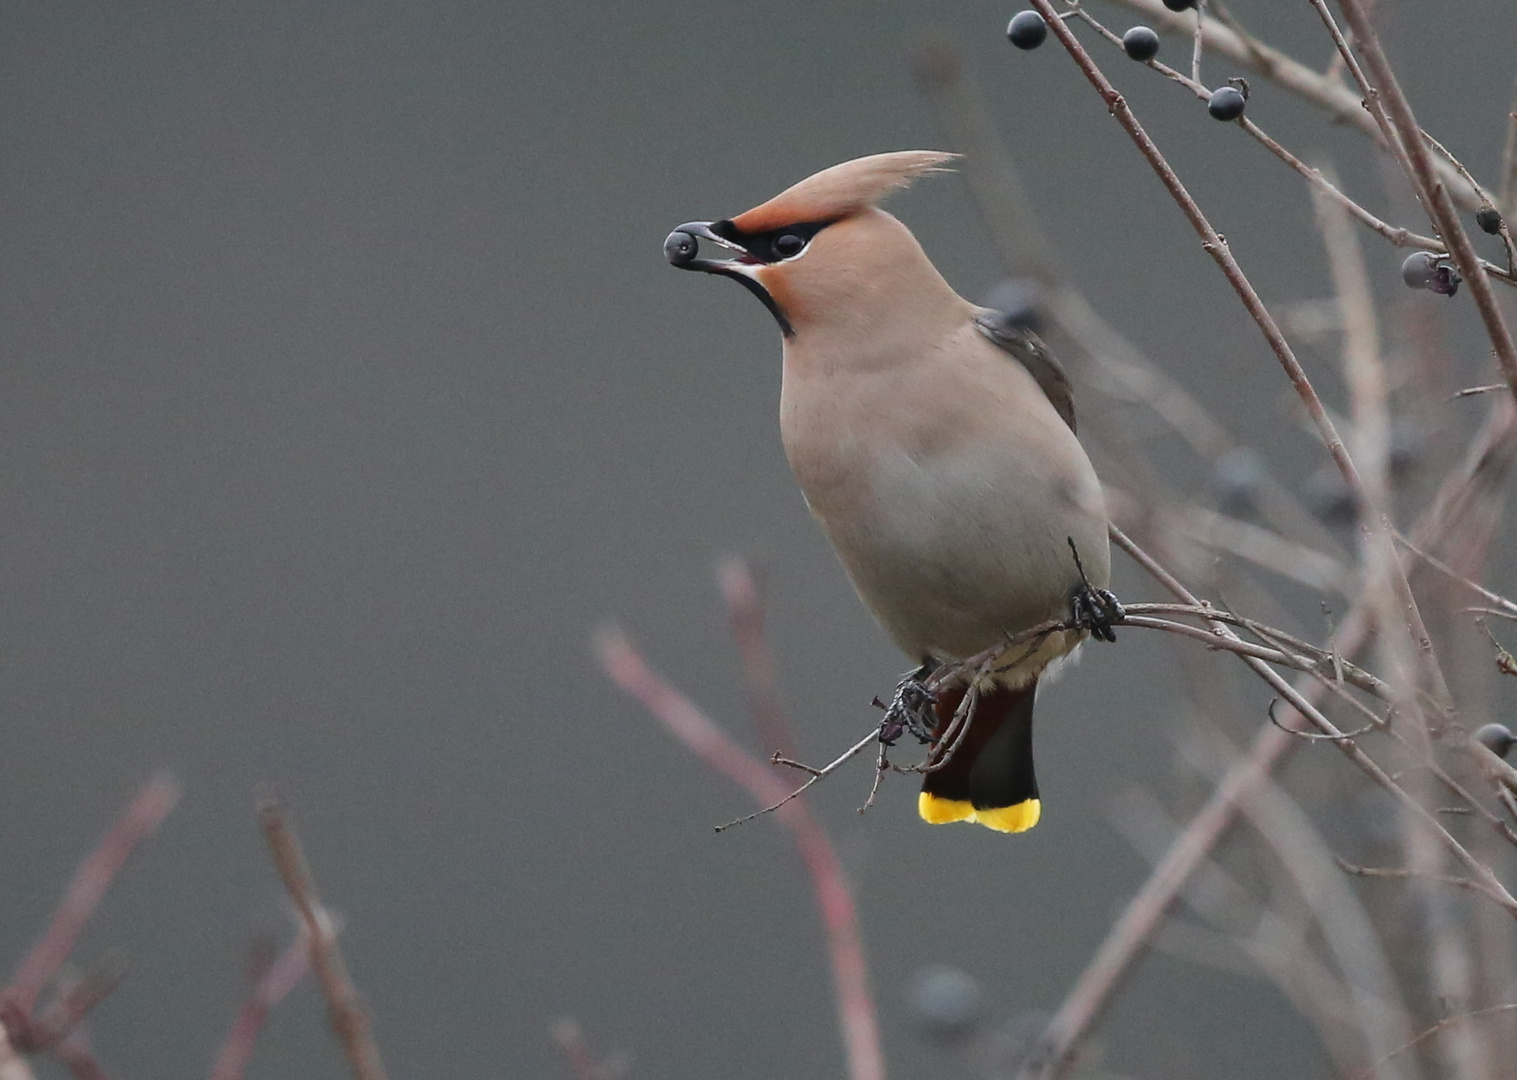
[{"x": 682, "y": 249}]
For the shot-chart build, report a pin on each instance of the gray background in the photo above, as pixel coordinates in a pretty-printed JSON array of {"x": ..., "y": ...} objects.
[{"x": 345, "y": 389}]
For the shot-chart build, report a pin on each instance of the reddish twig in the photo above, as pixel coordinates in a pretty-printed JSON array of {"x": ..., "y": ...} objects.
[
  {"x": 744, "y": 594},
  {"x": 345, "y": 1011},
  {"x": 834, "y": 897},
  {"x": 95, "y": 874},
  {"x": 582, "y": 1061},
  {"x": 268, "y": 991}
]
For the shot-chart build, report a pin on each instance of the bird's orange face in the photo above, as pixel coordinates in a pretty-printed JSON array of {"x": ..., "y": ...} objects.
[
  {"x": 854, "y": 271},
  {"x": 814, "y": 246},
  {"x": 761, "y": 262}
]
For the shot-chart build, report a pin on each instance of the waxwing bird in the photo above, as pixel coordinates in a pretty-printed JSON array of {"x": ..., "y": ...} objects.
[{"x": 935, "y": 443}]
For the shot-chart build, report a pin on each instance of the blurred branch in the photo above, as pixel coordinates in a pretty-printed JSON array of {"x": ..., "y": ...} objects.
[
  {"x": 345, "y": 1011},
  {"x": 1346, "y": 926},
  {"x": 744, "y": 595},
  {"x": 95, "y": 874},
  {"x": 582, "y": 1060},
  {"x": 268, "y": 990},
  {"x": 1272, "y": 945},
  {"x": 834, "y": 896}
]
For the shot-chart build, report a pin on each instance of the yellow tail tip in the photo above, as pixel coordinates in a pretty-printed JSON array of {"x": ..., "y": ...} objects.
[{"x": 1012, "y": 819}]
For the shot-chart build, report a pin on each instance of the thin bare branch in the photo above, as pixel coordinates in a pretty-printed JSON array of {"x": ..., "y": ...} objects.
[
  {"x": 743, "y": 592},
  {"x": 1440, "y": 1027},
  {"x": 95, "y": 874},
  {"x": 1350, "y": 934},
  {"x": 1399, "y": 873},
  {"x": 345, "y": 1010},
  {"x": 576, "y": 1049},
  {"x": 834, "y": 896},
  {"x": 269, "y": 990},
  {"x": 1507, "y": 606}
]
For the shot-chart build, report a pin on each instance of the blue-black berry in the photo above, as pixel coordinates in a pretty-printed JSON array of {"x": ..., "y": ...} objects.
[
  {"x": 1027, "y": 30},
  {"x": 1179, "y": 5},
  {"x": 1141, "y": 43},
  {"x": 1417, "y": 269},
  {"x": 1488, "y": 219},
  {"x": 1431, "y": 271},
  {"x": 1226, "y": 103},
  {"x": 680, "y": 247},
  {"x": 1497, "y": 738}
]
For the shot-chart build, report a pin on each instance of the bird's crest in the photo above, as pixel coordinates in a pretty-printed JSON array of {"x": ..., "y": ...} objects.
[{"x": 843, "y": 189}]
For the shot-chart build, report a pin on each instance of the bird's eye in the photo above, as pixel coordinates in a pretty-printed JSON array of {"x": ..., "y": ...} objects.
[{"x": 789, "y": 244}]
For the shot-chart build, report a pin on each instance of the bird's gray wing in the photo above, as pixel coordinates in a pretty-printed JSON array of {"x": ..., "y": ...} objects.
[{"x": 1028, "y": 349}]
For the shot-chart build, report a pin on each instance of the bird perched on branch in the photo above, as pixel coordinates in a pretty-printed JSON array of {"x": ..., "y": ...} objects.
[{"x": 935, "y": 443}]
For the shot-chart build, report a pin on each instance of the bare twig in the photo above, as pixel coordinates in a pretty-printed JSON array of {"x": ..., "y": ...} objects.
[
  {"x": 1346, "y": 927},
  {"x": 744, "y": 594},
  {"x": 1399, "y": 873},
  {"x": 816, "y": 774},
  {"x": 1441, "y": 1026},
  {"x": 834, "y": 897},
  {"x": 95, "y": 874},
  {"x": 1507, "y": 606},
  {"x": 345, "y": 1010},
  {"x": 1266, "y": 938},
  {"x": 268, "y": 991}
]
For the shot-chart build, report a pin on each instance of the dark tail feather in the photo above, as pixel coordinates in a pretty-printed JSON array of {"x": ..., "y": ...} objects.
[{"x": 989, "y": 777}]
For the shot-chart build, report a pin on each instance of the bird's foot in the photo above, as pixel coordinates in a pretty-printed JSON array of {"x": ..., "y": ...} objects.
[
  {"x": 1097, "y": 610},
  {"x": 910, "y": 709}
]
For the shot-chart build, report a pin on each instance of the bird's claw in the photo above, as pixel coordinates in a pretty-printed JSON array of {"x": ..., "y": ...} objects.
[
  {"x": 1097, "y": 610},
  {"x": 910, "y": 709}
]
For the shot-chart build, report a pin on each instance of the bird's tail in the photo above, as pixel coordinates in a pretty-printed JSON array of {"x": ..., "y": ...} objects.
[{"x": 988, "y": 777}]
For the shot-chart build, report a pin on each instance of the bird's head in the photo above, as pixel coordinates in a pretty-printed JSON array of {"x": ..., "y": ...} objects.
[{"x": 821, "y": 249}]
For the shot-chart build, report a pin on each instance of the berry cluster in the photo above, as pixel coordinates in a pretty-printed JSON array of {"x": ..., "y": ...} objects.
[{"x": 1027, "y": 30}]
